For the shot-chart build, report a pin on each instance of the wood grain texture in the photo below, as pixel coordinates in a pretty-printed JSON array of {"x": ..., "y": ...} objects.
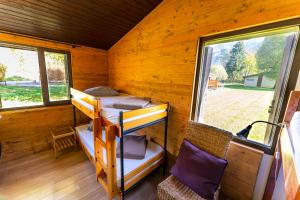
[
  {"x": 27, "y": 131},
  {"x": 157, "y": 57},
  {"x": 289, "y": 150},
  {"x": 291, "y": 182},
  {"x": 292, "y": 106},
  {"x": 23, "y": 132},
  {"x": 90, "y": 23},
  {"x": 69, "y": 177},
  {"x": 240, "y": 175}
]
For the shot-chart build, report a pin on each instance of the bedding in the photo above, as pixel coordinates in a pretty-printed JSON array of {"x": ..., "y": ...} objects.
[
  {"x": 134, "y": 147},
  {"x": 90, "y": 126},
  {"x": 112, "y": 114},
  {"x": 294, "y": 132},
  {"x": 112, "y": 102},
  {"x": 126, "y": 102},
  {"x": 101, "y": 91},
  {"x": 87, "y": 139},
  {"x": 295, "y": 128}
]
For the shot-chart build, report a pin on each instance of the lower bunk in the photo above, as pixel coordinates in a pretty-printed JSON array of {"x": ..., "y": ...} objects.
[{"x": 134, "y": 169}]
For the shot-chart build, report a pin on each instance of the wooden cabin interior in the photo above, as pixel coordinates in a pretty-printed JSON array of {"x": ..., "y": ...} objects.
[{"x": 150, "y": 99}]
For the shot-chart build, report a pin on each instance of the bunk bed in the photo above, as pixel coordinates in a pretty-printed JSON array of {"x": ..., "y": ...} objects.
[
  {"x": 110, "y": 125},
  {"x": 289, "y": 145}
]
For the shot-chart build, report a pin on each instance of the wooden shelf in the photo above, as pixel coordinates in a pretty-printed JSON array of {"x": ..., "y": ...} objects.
[{"x": 63, "y": 139}]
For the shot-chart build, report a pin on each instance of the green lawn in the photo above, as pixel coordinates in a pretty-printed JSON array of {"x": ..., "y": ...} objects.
[
  {"x": 31, "y": 94},
  {"x": 235, "y": 106},
  {"x": 242, "y": 87},
  {"x": 232, "y": 107}
]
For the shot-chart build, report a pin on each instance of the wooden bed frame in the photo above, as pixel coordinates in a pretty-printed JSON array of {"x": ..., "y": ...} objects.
[
  {"x": 292, "y": 184},
  {"x": 106, "y": 174}
]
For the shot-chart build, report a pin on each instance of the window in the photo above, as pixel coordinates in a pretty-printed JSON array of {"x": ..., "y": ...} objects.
[
  {"x": 32, "y": 76},
  {"x": 242, "y": 78},
  {"x": 57, "y": 71}
]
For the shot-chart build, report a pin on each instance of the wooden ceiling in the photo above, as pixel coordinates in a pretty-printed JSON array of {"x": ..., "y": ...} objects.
[{"x": 94, "y": 23}]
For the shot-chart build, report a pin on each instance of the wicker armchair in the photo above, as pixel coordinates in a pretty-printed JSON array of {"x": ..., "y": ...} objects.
[{"x": 211, "y": 139}]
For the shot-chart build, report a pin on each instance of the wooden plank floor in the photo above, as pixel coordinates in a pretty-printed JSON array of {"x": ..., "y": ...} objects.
[{"x": 70, "y": 176}]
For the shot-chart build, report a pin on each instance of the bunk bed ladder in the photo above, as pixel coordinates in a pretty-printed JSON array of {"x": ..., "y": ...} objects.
[{"x": 106, "y": 172}]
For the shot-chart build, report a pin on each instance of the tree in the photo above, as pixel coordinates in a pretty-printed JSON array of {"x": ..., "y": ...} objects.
[
  {"x": 236, "y": 63},
  {"x": 55, "y": 60},
  {"x": 250, "y": 65},
  {"x": 55, "y": 75},
  {"x": 19, "y": 54},
  {"x": 17, "y": 78},
  {"x": 269, "y": 55},
  {"x": 221, "y": 56},
  {"x": 218, "y": 72},
  {"x": 3, "y": 69},
  {"x": 55, "y": 63}
]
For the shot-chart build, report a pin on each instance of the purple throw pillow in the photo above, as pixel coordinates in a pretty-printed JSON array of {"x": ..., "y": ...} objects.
[{"x": 199, "y": 170}]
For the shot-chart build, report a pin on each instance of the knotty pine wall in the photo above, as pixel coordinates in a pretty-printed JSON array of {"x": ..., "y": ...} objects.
[
  {"x": 157, "y": 59},
  {"x": 27, "y": 131}
]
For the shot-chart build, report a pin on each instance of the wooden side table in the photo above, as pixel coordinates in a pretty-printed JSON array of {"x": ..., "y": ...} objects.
[{"x": 63, "y": 138}]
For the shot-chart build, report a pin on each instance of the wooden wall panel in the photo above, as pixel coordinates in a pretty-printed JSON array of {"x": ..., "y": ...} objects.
[
  {"x": 157, "y": 57},
  {"x": 28, "y": 131},
  {"x": 243, "y": 166},
  {"x": 89, "y": 67}
]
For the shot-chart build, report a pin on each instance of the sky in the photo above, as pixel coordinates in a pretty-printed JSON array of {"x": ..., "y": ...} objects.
[{"x": 29, "y": 68}]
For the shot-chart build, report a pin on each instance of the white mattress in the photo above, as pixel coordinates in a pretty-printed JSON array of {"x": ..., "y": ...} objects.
[
  {"x": 87, "y": 139},
  {"x": 113, "y": 114},
  {"x": 295, "y": 128},
  {"x": 294, "y": 131}
]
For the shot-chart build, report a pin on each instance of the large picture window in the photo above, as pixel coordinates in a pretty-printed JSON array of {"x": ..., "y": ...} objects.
[
  {"x": 32, "y": 76},
  {"x": 243, "y": 78}
]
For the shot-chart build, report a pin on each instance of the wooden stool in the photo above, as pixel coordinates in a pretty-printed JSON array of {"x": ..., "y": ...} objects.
[{"x": 63, "y": 138}]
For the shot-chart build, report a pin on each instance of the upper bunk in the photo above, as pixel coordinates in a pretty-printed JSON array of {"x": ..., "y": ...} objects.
[{"x": 133, "y": 112}]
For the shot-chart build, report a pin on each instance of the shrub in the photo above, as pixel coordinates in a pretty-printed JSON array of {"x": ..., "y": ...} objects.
[
  {"x": 2, "y": 72},
  {"x": 55, "y": 74},
  {"x": 16, "y": 78},
  {"x": 218, "y": 72}
]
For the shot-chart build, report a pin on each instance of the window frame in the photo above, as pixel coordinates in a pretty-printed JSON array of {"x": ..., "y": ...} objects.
[
  {"x": 291, "y": 83},
  {"x": 43, "y": 74}
]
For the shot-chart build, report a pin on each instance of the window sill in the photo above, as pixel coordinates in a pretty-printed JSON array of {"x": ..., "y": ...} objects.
[
  {"x": 265, "y": 148},
  {"x": 52, "y": 104}
]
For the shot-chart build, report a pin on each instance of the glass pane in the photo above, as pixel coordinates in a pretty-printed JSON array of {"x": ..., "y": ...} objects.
[
  {"x": 20, "y": 84},
  {"x": 57, "y": 74},
  {"x": 241, "y": 83}
]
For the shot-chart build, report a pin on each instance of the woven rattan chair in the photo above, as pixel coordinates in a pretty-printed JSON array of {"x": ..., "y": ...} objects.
[{"x": 208, "y": 138}]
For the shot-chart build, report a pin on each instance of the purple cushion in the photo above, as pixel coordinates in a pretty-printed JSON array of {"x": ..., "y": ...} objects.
[{"x": 199, "y": 170}]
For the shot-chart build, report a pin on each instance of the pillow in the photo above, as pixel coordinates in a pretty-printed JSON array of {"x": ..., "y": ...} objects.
[
  {"x": 101, "y": 91},
  {"x": 199, "y": 170},
  {"x": 134, "y": 147},
  {"x": 90, "y": 127}
]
